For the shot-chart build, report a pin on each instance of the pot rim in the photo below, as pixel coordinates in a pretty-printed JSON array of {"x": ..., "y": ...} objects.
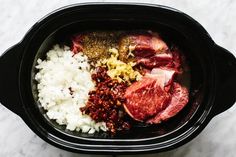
[{"x": 180, "y": 140}]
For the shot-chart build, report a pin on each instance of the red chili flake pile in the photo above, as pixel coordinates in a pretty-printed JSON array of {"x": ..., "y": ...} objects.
[{"x": 105, "y": 102}]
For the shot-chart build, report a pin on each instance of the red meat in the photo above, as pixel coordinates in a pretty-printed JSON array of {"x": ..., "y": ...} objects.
[
  {"x": 150, "y": 51},
  {"x": 157, "y": 60},
  {"x": 143, "y": 45},
  {"x": 179, "y": 99},
  {"x": 147, "y": 97},
  {"x": 169, "y": 60},
  {"x": 77, "y": 43}
]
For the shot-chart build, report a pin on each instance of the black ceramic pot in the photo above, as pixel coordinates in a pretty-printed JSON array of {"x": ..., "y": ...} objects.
[{"x": 212, "y": 89}]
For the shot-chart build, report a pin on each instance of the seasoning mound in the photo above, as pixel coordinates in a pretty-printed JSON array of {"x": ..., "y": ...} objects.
[{"x": 119, "y": 70}]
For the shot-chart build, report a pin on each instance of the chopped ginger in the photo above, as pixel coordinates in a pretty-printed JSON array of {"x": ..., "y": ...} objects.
[{"x": 118, "y": 69}]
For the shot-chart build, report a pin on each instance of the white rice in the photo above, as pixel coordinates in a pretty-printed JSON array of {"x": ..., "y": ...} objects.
[{"x": 59, "y": 72}]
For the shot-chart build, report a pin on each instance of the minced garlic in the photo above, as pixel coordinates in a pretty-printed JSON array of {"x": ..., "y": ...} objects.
[{"x": 118, "y": 69}]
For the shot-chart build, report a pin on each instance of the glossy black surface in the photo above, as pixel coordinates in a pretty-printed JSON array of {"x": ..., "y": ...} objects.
[{"x": 212, "y": 87}]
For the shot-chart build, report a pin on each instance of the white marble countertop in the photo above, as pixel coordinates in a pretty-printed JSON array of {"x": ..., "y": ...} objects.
[{"x": 218, "y": 17}]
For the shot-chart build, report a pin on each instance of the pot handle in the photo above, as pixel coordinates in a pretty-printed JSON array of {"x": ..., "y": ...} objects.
[
  {"x": 226, "y": 80},
  {"x": 9, "y": 71}
]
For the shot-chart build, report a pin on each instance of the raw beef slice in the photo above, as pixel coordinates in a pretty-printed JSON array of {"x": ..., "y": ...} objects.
[
  {"x": 179, "y": 99},
  {"x": 157, "y": 60},
  {"x": 142, "y": 45},
  {"x": 170, "y": 59},
  {"x": 147, "y": 97}
]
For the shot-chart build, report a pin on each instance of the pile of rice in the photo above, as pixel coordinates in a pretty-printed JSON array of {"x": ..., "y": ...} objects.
[{"x": 64, "y": 82}]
